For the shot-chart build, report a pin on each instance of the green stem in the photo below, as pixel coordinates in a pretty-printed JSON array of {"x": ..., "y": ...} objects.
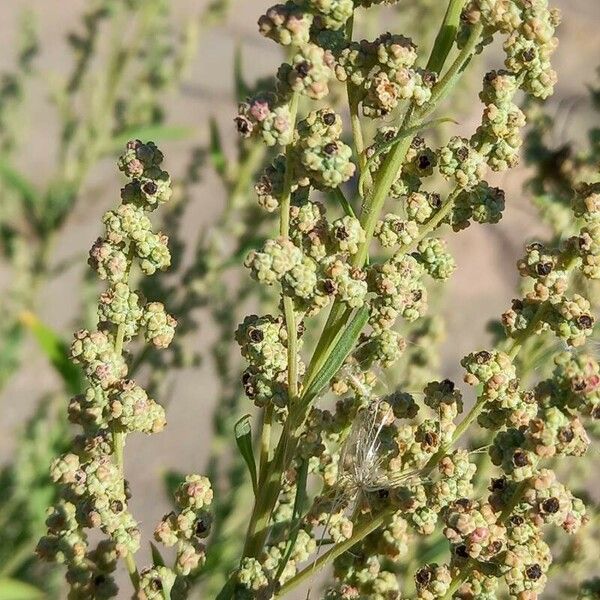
[
  {"x": 265, "y": 441},
  {"x": 446, "y": 36},
  {"x": 436, "y": 220},
  {"x": 264, "y": 502},
  {"x": 284, "y": 221},
  {"x": 118, "y": 437},
  {"x": 374, "y": 201},
  {"x": 448, "y": 81},
  {"x": 361, "y": 533}
]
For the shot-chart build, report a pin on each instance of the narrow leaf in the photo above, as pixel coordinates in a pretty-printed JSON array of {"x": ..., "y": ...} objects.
[
  {"x": 338, "y": 195},
  {"x": 299, "y": 503},
  {"x": 20, "y": 184},
  {"x": 157, "y": 558},
  {"x": 13, "y": 589},
  {"x": 56, "y": 350},
  {"x": 338, "y": 355},
  {"x": 217, "y": 156},
  {"x": 243, "y": 439}
]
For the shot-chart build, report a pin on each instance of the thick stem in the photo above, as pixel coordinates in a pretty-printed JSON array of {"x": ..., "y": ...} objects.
[
  {"x": 265, "y": 442},
  {"x": 270, "y": 473}
]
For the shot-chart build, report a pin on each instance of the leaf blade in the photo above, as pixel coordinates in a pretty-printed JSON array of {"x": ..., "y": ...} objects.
[
  {"x": 243, "y": 439},
  {"x": 338, "y": 355},
  {"x": 56, "y": 350}
]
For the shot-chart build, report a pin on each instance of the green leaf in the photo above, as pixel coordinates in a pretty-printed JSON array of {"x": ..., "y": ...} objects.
[
  {"x": 20, "y": 184},
  {"x": 13, "y": 589},
  {"x": 160, "y": 133},
  {"x": 299, "y": 503},
  {"x": 157, "y": 558},
  {"x": 56, "y": 350},
  {"x": 338, "y": 195},
  {"x": 243, "y": 439},
  {"x": 338, "y": 355},
  {"x": 217, "y": 156}
]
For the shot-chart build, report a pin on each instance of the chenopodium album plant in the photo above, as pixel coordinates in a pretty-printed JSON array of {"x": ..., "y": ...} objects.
[
  {"x": 94, "y": 493},
  {"x": 357, "y": 483}
]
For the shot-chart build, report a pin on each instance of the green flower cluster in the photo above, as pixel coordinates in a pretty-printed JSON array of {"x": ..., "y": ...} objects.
[
  {"x": 321, "y": 156},
  {"x": 529, "y": 29},
  {"x": 394, "y": 462},
  {"x": 94, "y": 494},
  {"x": 419, "y": 164},
  {"x": 384, "y": 73},
  {"x": 549, "y": 305},
  {"x": 189, "y": 525}
]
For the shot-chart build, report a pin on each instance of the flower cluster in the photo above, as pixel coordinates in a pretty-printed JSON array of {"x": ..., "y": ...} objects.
[
  {"x": 550, "y": 304},
  {"x": 93, "y": 491},
  {"x": 190, "y": 524},
  {"x": 389, "y": 465}
]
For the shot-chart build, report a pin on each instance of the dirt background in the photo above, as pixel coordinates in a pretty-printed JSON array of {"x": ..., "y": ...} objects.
[{"x": 481, "y": 287}]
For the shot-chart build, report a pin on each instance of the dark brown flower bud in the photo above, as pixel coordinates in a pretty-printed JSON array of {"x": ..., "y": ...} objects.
[
  {"x": 329, "y": 118},
  {"x": 483, "y": 357},
  {"x": 150, "y": 188},
  {"x": 423, "y": 576},
  {"x": 329, "y": 287},
  {"x": 303, "y": 69},
  {"x": 498, "y": 484},
  {"x": 585, "y": 321},
  {"x": 533, "y": 571},
  {"x": 423, "y": 162},
  {"x": 520, "y": 459},
  {"x": 543, "y": 269},
  {"x": 330, "y": 148},
  {"x": 551, "y": 505},
  {"x": 256, "y": 335}
]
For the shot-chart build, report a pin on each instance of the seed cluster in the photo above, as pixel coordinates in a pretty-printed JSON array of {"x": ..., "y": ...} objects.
[
  {"x": 93, "y": 492},
  {"x": 396, "y": 455}
]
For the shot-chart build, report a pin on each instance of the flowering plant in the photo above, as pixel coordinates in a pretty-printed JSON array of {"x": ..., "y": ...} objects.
[{"x": 358, "y": 482}]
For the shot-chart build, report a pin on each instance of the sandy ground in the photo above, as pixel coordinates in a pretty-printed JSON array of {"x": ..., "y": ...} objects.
[{"x": 478, "y": 250}]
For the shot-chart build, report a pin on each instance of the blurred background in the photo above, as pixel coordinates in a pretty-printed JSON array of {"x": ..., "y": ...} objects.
[{"x": 79, "y": 78}]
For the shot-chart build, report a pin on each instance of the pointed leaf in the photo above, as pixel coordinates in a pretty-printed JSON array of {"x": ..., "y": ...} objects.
[
  {"x": 299, "y": 503},
  {"x": 157, "y": 558},
  {"x": 56, "y": 349},
  {"x": 243, "y": 439},
  {"x": 20, "y": 184},
  {"x": 338, "y": 355},
  {"x": 240, "y": 86},
  {"x": 338, "y": 195}
]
